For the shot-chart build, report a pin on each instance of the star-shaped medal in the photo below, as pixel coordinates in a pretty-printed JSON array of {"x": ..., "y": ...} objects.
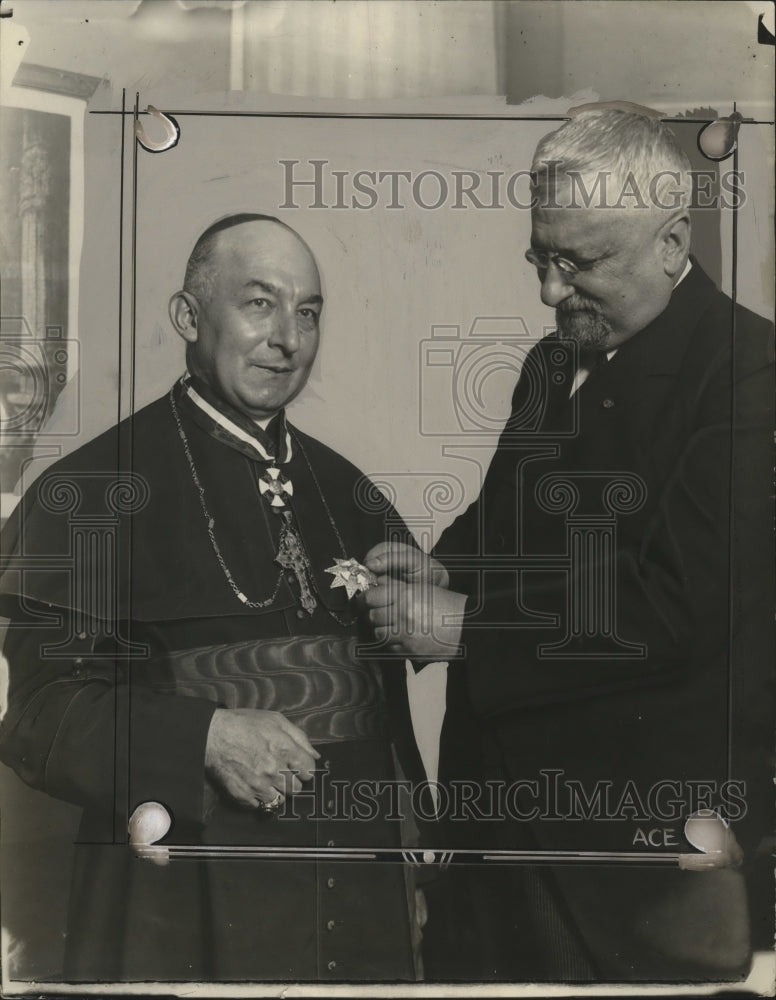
[
  {"x": 350, "y": 574},
  {"x": 274, "y": 486}
]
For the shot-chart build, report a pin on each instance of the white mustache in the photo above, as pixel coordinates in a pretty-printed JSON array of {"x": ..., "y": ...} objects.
[{"x": 577, "y": 304}]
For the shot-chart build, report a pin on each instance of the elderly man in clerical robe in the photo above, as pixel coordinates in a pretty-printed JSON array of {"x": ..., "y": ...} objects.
[{"x": 208, "y": 661}]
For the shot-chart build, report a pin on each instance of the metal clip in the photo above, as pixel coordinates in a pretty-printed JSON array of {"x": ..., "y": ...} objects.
[
  {"x": 148, "y": 823},
  {"x": 710, "y": 833},
  {"x": 717, "y": 140},
  {"x": 171, "y": 127}
]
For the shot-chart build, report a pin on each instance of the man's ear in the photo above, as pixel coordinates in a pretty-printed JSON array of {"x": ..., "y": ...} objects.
[
  {"x": 183, "y": 315},
  {"x": 676, "y": 244}
]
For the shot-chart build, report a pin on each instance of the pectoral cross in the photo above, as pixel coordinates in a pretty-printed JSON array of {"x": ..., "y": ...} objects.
[{"x": 291, "y": 555}]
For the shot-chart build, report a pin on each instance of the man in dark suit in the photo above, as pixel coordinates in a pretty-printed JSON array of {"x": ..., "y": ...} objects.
[{"x": 605, "y": 603}]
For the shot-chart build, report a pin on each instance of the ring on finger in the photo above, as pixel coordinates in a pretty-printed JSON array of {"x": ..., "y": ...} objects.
[{"x": 273, "y": 805}]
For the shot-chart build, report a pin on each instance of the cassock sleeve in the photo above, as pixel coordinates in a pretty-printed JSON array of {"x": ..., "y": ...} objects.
[
  {"x": 79, "y": 729},
  {"x": 674, "y": 583}
]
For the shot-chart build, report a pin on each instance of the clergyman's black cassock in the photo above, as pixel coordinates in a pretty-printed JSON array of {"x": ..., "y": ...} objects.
[{"x": 91, "y": 724}]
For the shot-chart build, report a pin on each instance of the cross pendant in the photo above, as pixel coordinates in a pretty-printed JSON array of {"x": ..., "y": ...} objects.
[{"x": 291, "y": 555}]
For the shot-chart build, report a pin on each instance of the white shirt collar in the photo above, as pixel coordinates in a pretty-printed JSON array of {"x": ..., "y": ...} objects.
[{"x": 685, "y": 272}]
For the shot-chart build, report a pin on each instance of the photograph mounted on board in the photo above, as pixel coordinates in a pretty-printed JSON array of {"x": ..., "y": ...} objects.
[{"x": 387, "y": 515}]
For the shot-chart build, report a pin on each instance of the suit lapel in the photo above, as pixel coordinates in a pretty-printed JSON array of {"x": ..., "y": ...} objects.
[{"x": 622, "y": 398}]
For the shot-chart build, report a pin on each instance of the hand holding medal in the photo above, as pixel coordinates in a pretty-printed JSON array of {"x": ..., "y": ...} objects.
[{"x": 411, "y": 609}]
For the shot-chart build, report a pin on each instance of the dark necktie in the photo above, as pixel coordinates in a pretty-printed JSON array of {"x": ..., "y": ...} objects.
[{"x": 592, "y": 359}]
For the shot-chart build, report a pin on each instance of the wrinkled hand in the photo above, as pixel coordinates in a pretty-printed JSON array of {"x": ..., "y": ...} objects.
[
  {"x": 407, "y": 563},
  {"x": 248, "y": 750},
  {"x": 419, "y": 620}
]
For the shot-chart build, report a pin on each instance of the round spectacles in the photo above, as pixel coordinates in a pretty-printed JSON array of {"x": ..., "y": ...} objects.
[{"x": 541, "y": 259}]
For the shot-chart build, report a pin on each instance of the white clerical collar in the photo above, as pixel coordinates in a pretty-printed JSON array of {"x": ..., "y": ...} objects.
[{"x": 229, "y": 425}]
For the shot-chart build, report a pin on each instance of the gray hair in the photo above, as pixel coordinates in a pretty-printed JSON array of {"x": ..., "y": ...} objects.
[{"x": 636, "y": 158}]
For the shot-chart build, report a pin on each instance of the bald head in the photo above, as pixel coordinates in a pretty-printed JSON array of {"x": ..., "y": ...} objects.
[
  {"x": 249, "y": 312},
  {"x": 202, "y": 265}
]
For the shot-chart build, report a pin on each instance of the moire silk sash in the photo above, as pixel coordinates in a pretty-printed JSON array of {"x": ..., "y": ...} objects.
[{"x": 315, "y": 681}]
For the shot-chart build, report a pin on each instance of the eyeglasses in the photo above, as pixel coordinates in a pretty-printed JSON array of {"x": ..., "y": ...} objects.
[{"x": 541, "y": 259}]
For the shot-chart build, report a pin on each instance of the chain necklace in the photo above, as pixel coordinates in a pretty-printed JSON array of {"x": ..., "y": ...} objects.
[
  {"x": 210, "y": 521},
  {"x": 332, "y": 522}
]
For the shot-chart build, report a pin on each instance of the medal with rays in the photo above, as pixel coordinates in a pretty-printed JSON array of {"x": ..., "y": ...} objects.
[{"x": 352, "y": 575}]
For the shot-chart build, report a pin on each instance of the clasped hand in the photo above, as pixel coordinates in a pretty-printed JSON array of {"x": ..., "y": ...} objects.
[
  {"x": 251, "y": 752},
  {"x": 411, "y": 608}
]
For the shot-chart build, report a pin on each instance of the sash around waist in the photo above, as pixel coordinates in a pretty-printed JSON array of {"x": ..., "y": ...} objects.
[{"x": 315, "y": 681}]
